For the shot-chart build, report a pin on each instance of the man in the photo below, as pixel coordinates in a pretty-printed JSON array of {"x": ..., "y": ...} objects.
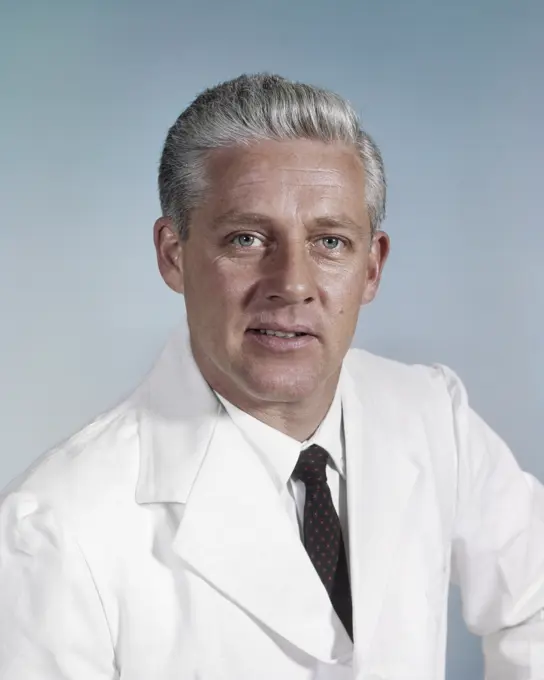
[{"x": 268, "y": 504}]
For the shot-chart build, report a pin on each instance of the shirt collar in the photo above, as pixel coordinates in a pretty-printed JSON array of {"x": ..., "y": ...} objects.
[
  {"x": 330, "y": 434},
  {"x": 280, "y": 452}
]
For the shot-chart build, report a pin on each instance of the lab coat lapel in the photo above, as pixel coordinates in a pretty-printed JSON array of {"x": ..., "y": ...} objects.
[
  {"x": 238, "y": 537},
  {"x": 380, "y": 480}
]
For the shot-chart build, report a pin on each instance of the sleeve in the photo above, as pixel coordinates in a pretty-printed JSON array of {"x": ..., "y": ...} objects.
[
  {"x": 498, "y": 547},
  {"x": 52, "y": 625}
]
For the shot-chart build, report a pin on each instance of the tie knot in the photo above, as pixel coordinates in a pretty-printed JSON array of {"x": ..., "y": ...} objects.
[{"x": 311, "y": 467}]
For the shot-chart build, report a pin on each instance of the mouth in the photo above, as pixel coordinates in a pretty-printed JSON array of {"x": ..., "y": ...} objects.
[
  {"x": 279, "y": 340},
  {"x": 277, "y": 334},
  {"x": 278, "y": 329}
]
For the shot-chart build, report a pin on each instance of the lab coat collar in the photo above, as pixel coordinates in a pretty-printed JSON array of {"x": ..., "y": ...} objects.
[{"x": 177, "y": 413}]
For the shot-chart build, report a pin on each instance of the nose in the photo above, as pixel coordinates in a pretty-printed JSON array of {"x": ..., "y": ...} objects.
[{"x": 290, "y": 276}]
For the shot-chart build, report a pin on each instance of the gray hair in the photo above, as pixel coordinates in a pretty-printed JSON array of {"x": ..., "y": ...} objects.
[{"x": 254, "y": 108}]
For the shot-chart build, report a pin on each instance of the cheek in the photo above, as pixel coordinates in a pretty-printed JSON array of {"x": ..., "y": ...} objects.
[
  {"x": 213, "y": 287},
  {"x": 236, "y": 279},
  {"x": 344, "y": 291}
]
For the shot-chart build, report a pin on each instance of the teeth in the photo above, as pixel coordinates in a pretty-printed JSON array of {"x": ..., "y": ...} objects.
[{"x": 278, "y": 334}]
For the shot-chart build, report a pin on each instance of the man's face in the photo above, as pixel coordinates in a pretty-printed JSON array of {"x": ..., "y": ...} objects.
[{"x": 281, "y": 242}]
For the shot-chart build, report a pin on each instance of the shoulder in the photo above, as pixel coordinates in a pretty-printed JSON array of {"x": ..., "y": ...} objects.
[
  {"x": 416, "y": 385},
  {"x": 83, "y": 477}
]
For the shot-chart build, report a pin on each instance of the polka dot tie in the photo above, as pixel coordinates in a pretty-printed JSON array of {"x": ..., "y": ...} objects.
[{"x": 323, "y": 533}]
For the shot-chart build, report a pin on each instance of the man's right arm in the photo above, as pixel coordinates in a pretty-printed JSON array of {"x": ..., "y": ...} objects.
[{"x": 52, "y": 624}]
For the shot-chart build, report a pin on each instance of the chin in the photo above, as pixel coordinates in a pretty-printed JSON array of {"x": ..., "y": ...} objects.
[{"x": 278, "y": 387}]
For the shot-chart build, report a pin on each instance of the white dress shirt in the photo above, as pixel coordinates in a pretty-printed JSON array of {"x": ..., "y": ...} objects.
[{"x": 280, "y": 453}]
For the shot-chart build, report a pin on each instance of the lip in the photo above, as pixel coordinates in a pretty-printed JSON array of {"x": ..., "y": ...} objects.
[
  {"x": 277, "y": 345},
  {"x": 283, "y": 328}
]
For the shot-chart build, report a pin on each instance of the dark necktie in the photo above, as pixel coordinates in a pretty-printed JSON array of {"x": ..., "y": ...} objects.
[{"x": 323, "y": 533}]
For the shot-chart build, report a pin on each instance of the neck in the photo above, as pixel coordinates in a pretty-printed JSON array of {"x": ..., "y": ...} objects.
[{"x": 298, "y": 420}]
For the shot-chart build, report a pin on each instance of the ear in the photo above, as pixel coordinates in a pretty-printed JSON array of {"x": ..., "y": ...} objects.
[
  {"x": 379, "y": 251},
  {"x": 169, "y": 248}
]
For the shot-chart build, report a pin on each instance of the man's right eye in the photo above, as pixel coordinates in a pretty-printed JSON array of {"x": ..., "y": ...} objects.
[{"x": 244, "y": 240}]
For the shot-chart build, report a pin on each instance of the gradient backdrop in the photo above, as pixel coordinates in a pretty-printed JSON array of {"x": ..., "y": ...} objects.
[{"x": 453, "y": 93}]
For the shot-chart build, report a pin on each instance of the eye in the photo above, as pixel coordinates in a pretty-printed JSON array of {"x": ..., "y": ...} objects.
[
  {"x": 245, "y": 240},
  {"x": 331, "y": 242}
]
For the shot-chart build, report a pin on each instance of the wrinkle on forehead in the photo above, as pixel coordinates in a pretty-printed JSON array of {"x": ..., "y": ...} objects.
[
  {"x": 295, "y": 177},
  {"x": 251, "y": 182},
  {"x": 294, "y": 156},
  {"x": 293, "y": 174}
]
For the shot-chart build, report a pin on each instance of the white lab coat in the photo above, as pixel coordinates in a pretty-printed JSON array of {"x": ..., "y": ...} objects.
[{"x": 152, "y": 546}]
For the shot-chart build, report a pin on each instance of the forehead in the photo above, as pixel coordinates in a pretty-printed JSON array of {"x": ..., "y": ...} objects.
[{"x": 290, "y": 175}]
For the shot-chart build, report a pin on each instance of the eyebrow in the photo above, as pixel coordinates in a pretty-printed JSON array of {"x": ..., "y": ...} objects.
[
  {"x": 338, "y": 222},
  {"x": 234, "y": 217},
  {"x": 241, "y": 218}
]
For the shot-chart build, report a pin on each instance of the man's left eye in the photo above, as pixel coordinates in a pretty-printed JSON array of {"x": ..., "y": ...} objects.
[{"x": 331, "y": 242}]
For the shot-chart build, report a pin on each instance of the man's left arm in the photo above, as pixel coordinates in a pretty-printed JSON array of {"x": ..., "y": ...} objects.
[{"x": 498, "y": 547}]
